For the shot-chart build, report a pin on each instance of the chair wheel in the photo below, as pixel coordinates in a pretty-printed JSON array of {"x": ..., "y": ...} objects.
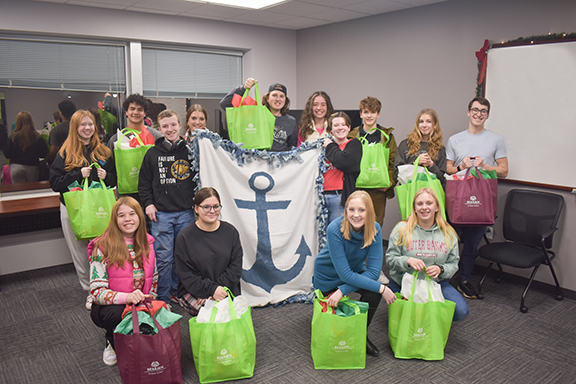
[
  {"x": 559, "y": 297},
  {"x": 523, "y": 309},
  {"x": 480, "y": 296}
]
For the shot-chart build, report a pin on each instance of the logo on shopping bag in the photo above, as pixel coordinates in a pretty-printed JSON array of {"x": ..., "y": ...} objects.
[
  {"x": 155, "y": 368},
  {"x": 251, "y": 128},
  {"x": 421, "y": 335},
  {"x": 134, "y": 172},
  {"x": 101, "y": 214},
  {"x": 473, "y": 202},
  {"x": 373, "y": 168},
  {"x": 341, "y": 347},
  {"x": 225, "y": 357}
]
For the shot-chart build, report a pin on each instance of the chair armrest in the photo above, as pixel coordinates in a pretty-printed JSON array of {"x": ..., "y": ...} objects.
[{"x": 548, "y": 233}]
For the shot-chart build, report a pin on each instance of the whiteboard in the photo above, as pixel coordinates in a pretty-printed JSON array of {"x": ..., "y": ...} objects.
[{"x": 532, "y": 92}]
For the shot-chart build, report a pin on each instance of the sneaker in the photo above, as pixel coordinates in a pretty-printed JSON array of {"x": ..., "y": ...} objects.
[
  {"x": 169, "y": 307},
  {"x": 174, "y": 299},
  {"x": 89, "y": 301},
  {"x": 467, "y": 290},
  {"x": 109, "y": 355}
]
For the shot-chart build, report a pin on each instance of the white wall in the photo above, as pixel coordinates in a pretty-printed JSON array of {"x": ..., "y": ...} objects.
[
  {"x": 425, "y": 58},
  {"x": 270, "y": 53}
]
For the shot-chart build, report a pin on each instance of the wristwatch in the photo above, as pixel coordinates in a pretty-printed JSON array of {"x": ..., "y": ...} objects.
[
  {"x": 441, "y": 269},
  {"x": 458, "y": 168}
]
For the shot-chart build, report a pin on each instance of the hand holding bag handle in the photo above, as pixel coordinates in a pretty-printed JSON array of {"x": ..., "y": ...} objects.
[{"x": 256, "y": 92}]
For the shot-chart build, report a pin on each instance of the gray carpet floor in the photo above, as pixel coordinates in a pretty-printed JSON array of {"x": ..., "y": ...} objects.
[{"x": 47, "y": 336}]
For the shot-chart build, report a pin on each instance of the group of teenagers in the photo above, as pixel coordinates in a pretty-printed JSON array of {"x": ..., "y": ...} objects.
[{"x": 190, "y": 254}]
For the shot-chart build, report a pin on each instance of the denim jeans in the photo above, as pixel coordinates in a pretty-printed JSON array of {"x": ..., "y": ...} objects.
[
  {"x": 471, "y": 236},
  {"x": 164, "y": 230},
  {"x": 335, "y": 209},
  {"x": 449, "y": 293}
]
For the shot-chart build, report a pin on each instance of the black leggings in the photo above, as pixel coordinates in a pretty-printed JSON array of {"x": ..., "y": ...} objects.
[
  {"x": 372, "y": 298},
  {"x": 107, "y": 317}
]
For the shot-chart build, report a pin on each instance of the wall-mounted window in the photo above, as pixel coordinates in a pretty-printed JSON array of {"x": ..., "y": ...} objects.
[
  {"x": 62, "y": 65},
  {"x": 182, "y": 72}
]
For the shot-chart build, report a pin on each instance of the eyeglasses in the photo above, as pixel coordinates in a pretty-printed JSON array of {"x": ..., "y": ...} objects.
[
  {"x": 483, "y": 112},
  {"x": 208, "y": 208}
]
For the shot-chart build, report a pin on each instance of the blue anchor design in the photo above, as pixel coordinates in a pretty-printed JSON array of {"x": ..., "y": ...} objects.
[{"x": 264, "y": 273}]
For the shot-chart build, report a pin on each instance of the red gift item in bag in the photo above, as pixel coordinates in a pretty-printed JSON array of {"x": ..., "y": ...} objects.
[
  {"x": 155, "y": 305},
  {"x": 237, "y": 99}
]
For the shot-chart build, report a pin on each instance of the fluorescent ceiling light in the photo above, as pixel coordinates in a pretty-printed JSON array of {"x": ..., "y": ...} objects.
[{"x": 253, "y": 4}]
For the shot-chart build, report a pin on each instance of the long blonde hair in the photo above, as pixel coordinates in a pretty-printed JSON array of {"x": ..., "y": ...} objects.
[
  {"x": 405, "y": 238},
  {"x": 73, "y": 149},
  {"x": 369, "y": 221},
  {"x": 111, "y": 242},
  {"x": 434, "y": 143}
]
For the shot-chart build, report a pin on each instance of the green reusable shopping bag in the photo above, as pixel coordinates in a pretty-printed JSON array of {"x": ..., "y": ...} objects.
[
  {"x": 109, "y": 121},
  {"x": 128, "y": 164},
  {"x": 89, "y": 210},
  {"x": 374, "y": 164},
  {"x": 419, "y": 330},
  {"x": 251, "y": 125},
  {"x": 406, "y": 192},
  {"x": 339, "y": 342},
  {"x": 224, "y": 351}
]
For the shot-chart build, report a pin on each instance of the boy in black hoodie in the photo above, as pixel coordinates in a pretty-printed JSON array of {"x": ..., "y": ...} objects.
[{"x": 166, "y": 189}]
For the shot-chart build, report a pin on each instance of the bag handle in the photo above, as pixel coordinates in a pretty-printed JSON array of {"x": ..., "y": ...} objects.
[
  {"x": 343, "y": 300},
  {"x": 415, "y": 274},
  {"x": 230, "y": 297},
  {"x": 381, "y": 131},
  {"x": 127, "y": 131},
  {"x": 257, "y": 93},
  {"x": 135, "y": 323}
]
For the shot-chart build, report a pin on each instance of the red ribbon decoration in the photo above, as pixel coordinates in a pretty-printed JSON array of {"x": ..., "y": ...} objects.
[{"x": 481, "y": 56}]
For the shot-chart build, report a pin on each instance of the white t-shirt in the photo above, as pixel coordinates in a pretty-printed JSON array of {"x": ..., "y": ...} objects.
[{"x": 488, "y": 145}]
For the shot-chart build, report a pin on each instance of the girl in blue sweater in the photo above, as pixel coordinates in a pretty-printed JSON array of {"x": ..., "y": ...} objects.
[{"x": 352, "y": 258}]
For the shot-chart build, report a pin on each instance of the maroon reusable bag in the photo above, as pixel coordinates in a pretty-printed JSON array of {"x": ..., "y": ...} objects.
[
  {"x": 153, "y": 359},
  {"x": 472, "y": 200}
]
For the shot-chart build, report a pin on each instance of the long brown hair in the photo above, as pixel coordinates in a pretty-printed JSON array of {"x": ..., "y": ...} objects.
[
  {"x": 111, "y": 242},
  {"x": 305, "y": 126},
  {"x": 195, "y": 108},
  {"x": 434, "y": 143},
  {"x": 405, "y": 238},
  {"x": 25, "y": 134},
  {"x": 73, "y": 149},
  {"x": 369, "y": 221}
]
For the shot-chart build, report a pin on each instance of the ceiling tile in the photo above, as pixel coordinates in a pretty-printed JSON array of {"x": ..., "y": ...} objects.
[
  {"x": 296, "y": 8},
  {"x": 168, "y": 5},
  {"x": 263, "y": 17},
  {"x": 375, "y": 7},
  {"x": 300, "y": 23},
  {"x": 215, "y": 11}
]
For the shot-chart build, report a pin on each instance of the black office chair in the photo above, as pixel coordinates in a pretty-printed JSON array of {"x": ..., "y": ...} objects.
[{"x": 529, "y": 221}]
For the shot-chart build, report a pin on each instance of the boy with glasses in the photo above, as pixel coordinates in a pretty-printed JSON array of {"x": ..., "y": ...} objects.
[
  {"x": 481, "y": 148},
  {"x": 166, "y": 188}
]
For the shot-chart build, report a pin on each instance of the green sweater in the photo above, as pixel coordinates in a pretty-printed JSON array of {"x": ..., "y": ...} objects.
[{"x": 427, "y": 245}]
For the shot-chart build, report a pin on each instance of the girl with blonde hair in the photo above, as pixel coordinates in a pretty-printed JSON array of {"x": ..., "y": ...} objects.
[
  {"x": 426, "y": 242},
  {"x": 352, "y": 259},
  {"x": 425, "y": 141}
]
